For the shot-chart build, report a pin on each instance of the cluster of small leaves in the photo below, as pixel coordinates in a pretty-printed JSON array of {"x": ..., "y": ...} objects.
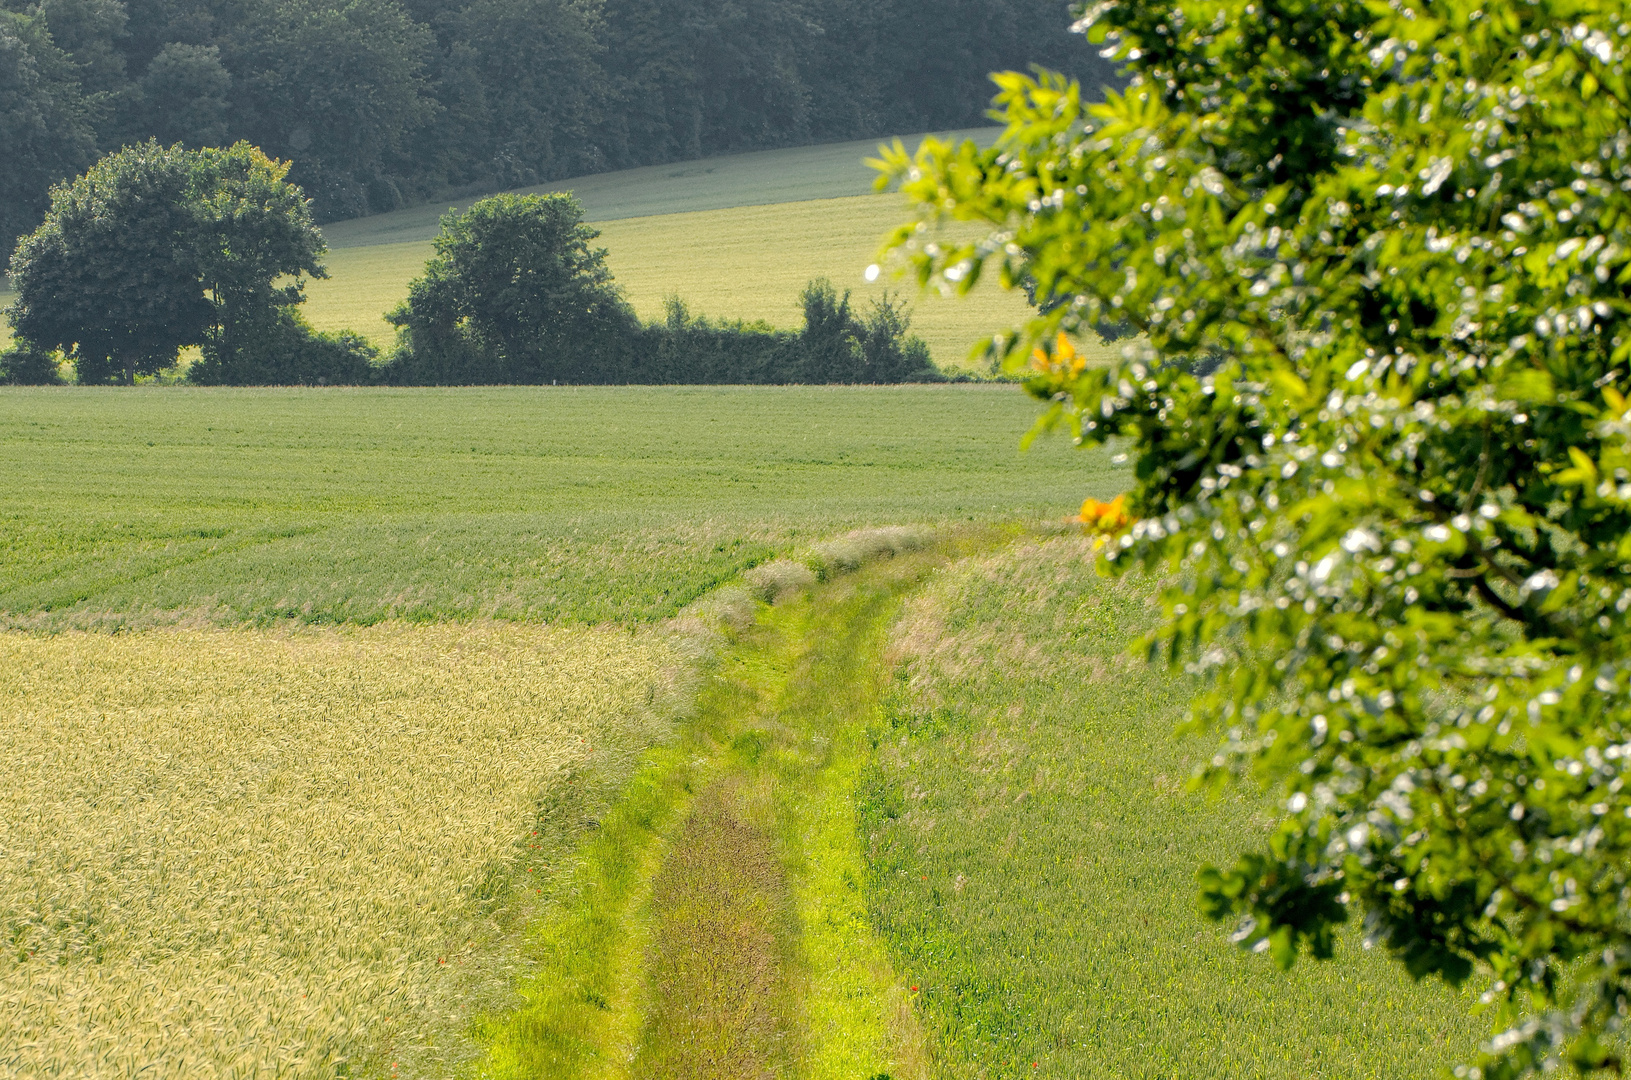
[{"x": 1397, "y": 514}]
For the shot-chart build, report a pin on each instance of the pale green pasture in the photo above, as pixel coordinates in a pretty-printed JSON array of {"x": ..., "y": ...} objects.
[
  {"x": 744, "y": 263},
  {"x": 798, "y": 174}
]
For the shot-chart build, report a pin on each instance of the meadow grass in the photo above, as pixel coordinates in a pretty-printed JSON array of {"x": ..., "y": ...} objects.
[
  {"x": 256, "y": 853},
  {"x": 747, "y": 263},
  {"x": 1032, "y": 852},
  {"x": 128, "y": 508}
]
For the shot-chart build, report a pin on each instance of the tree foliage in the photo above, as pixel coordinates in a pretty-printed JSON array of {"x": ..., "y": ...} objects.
[
  {"x": 157, "y": 248},
  {"x": 45, "y": 125},
  {"x": 379, "y": 103},
  {"x": 1396, "y": 517},
  {"x": 514, "y": 293}
]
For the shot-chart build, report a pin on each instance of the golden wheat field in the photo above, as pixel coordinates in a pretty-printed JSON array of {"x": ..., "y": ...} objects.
[{"x": 231, "y": 853}]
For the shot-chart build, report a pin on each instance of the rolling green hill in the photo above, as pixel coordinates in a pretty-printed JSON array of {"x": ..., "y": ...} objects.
[{"x": 734, "y": 237}]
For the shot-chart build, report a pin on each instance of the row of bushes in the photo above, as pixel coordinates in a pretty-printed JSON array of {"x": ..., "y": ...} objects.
[{"x": 836, "y": 345}]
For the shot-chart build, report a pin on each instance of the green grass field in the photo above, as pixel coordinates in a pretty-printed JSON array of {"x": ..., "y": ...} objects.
[
  {"x": 542, "y": 504},
  {"x": 1033, "y": 850},
  {"x": 705, "y": 830},
  {"x": 450, "y": 733}
]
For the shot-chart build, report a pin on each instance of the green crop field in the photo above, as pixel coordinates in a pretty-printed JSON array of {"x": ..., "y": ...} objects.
[
  {"x": 541, "y": 504},
  {"x": 1032, "y": 855}
]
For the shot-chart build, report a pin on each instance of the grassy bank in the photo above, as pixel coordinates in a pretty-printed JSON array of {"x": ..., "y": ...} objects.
[
  {"x": 1032, "y": 853},
  {"x": 126, "y": 508}
]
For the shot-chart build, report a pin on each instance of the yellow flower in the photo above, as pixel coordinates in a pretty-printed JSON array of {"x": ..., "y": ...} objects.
[
  {"x": 1065, "y": 359},
  {"x": 1104, "y": 518}
]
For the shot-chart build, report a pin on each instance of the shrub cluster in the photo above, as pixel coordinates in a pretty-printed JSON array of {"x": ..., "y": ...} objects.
[
  {"x": 25, "y": 364},
  {"x": 515, "y": 294},
  {"x": 836, "y": 345},
  {"x": 286, "y": 351}
]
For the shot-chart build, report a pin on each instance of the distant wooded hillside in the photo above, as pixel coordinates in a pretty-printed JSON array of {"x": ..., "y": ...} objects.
[{"x": 382, "y": 104}]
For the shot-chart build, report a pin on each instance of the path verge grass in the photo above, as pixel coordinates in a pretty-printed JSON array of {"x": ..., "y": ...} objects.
[{"x": 1032, "y": 851}]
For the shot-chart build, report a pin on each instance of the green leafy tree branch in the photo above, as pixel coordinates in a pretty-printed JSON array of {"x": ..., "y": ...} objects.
[{"x": 1397, "y": 512}]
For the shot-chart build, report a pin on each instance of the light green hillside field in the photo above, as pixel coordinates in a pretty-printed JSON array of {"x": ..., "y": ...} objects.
[
  {"x": 761, "y": 178},
  {"x": 743, "y": 263}
]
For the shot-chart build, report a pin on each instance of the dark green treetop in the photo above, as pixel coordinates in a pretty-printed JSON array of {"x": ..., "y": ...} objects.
[
  {"x": 1396, "y": 517},
  {"x": 515, "y": 287},
  {"x": 110, "y": 276},
  {"x": 46, "y": 126},
  {"x": 157, "y": 248}
]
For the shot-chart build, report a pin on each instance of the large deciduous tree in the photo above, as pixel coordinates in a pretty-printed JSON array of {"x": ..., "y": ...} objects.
[
  {"x": 1395, "y": 518},
  {"x": 111, "y": 276},
  {"x": 157, "y": 248}
]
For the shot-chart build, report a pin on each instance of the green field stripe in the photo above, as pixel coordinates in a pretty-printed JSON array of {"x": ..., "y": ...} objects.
[{"x": 759, "y": 178}]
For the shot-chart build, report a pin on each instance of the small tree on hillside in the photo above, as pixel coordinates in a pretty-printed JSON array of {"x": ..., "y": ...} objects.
[
  {"x": 1398, "y": 516},
  {"x": 514, "y": 293}
]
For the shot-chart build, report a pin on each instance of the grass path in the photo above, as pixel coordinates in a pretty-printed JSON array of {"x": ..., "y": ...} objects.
[{"x": 715, "y": 925}]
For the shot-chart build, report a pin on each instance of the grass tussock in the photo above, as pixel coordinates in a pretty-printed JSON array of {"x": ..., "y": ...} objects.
[
  {"x": 248, "y": 853},
  {"x": 773, "y": 580},
  {"x": 847, "y": 553}
]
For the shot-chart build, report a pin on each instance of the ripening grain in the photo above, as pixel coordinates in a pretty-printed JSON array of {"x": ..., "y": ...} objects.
[{"x": 250, "y": 853}]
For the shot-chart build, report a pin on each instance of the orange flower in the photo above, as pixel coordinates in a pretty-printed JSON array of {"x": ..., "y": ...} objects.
[
  {"x": 1065, "y": 359},
  {"x": 1104, "y": 518}
]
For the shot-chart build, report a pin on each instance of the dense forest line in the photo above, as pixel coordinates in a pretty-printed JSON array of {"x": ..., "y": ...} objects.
[{"x": 380, "y": 103}]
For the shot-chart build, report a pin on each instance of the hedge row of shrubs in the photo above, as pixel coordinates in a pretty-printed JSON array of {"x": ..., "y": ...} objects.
[{"x": 836, "y": 345}]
